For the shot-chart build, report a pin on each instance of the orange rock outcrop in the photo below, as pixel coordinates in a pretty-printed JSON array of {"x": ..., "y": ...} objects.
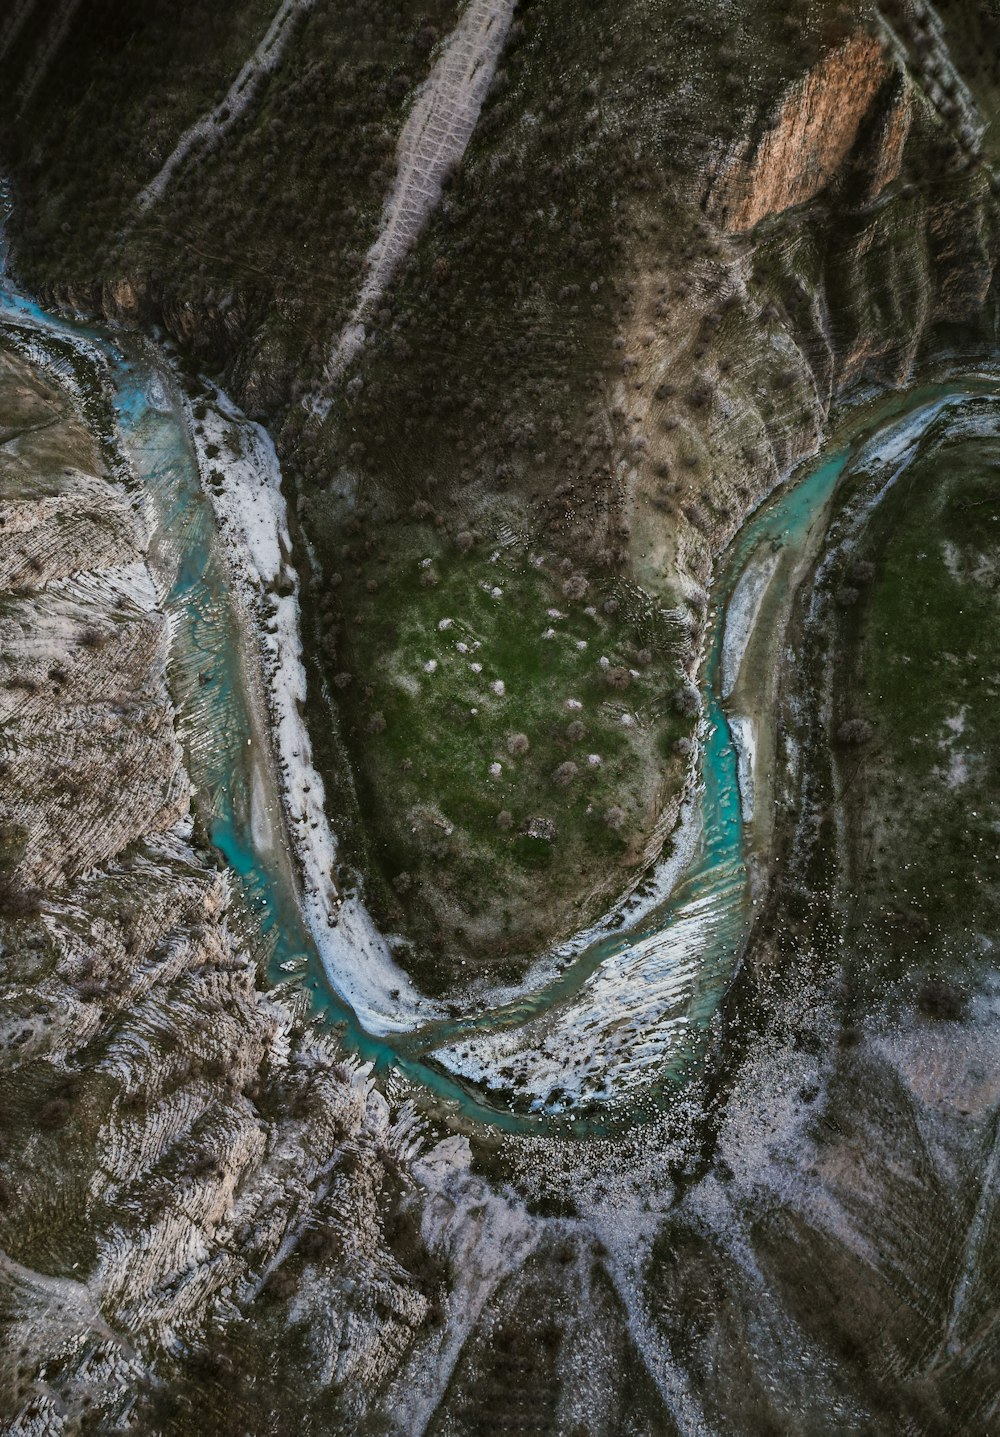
[{"x": 813, "y": 134}]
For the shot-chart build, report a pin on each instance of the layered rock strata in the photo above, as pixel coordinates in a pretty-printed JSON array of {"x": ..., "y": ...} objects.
[{"x": 171, "y": 1134}]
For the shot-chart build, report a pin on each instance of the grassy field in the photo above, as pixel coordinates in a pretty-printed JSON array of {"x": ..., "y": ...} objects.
[{"x": 511, "y": 727}]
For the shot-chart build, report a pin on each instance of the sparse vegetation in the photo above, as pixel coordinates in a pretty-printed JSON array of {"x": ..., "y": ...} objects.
[
  {"x": 921, "y": 654},
  {"x": 459, "y": 729}
]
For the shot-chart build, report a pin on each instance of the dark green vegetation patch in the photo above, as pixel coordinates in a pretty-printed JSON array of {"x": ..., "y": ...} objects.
[
  {"x": 512, "y": 729},
  {"x": 916, "y": 730}
]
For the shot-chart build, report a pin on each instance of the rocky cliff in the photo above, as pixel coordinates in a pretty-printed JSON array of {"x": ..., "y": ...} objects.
[
  {"x": 808, "y": 141},
  {"x": 176, "y": 1142}
]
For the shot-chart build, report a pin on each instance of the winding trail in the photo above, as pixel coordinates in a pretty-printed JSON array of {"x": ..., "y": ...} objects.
[
  {"x": 14, "y": 24},
  {"x": 54, "y": 37}
]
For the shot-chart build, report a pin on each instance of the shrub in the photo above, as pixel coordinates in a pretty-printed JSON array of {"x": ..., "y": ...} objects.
[
  {"x": 54, "y": 1113},
  {"x": 13, "y": 842},
  {"x": 687, "y": 701},
  {"x": 854, "y": 732},
  {"x": 940, "y": 999},
  {"x": 618, "y": 678},
  {"x": 575, "y": 731},
  {"x": 281, "y": 1285},
  {"x": 693, "y": 511},
  {"x": 17, "y": 902},
  {"x": 615, "y": 817},
  {"x": 564, "y": 774},
  {"x": 517, "y": 744}
]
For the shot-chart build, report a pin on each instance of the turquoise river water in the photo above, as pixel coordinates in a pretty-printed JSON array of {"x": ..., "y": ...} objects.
[{"x": 210, "y": 691}]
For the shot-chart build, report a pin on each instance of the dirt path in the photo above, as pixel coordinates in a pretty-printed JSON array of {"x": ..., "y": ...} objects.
[{"x": 54, "y": 37}]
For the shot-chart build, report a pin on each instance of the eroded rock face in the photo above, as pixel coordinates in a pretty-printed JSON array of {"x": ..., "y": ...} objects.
[
  {"x": 882, "y": 158},
  {"x": 809, "y": 140},
  {"x": 172, "y": 1135}
]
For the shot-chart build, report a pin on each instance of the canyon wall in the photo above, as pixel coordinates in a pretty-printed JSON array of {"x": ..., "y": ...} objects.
[
  {"x": 177, "y": 1142},
  {"x": 221, "y": 1159},
  {"x": 808, "y": 141}
]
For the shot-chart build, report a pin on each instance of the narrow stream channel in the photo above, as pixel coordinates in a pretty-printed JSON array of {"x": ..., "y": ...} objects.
[{"x": 664, "y": 976}]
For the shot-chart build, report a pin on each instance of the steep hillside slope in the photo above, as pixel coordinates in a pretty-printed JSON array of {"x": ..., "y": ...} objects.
[{"x": 175, "y": 1141}]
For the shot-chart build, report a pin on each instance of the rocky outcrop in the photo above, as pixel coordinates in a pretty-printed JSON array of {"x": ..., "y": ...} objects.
[
  {"x": 91, "y": 760},
  {"x": 807, "y": 142},
  {"x": 880, "y": 160}
]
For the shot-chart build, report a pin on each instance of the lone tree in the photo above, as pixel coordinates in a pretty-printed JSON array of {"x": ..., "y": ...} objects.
[
  {"x": 687, "y": 701},
  {"x": 854, "y": 732}
]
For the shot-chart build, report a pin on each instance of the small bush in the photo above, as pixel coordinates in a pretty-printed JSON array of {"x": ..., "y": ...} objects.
[
  {"x": 13, "y": 842},
  {"x": 938, "y": 998},
  {"x": 564, "y": 774},
  {"x": 854, "y": 732},
  {"x": 517, "y": 744},
  {"x": 687, "y": 701},
  {"x": 280, "y": 1285},
  {"x": 55, "y": 1113},
  {"x": 18, "y": 902}
]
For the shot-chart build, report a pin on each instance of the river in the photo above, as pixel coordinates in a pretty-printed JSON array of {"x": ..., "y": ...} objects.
[{"x": 607, "y": 1039}]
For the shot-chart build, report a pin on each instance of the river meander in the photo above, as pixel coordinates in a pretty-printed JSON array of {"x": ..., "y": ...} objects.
[{"x": 636, "y": 1002}]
